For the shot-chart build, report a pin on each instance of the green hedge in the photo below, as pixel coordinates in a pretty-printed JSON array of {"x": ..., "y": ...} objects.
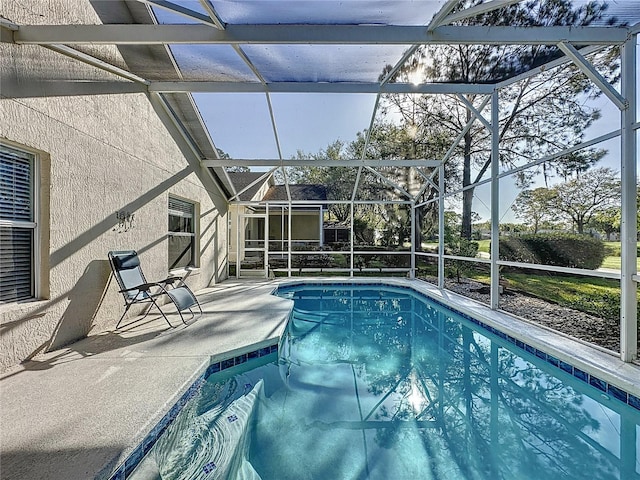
[{"x": 560, "y": 250}]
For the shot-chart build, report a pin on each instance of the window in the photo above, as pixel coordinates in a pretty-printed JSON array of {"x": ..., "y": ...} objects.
[
  {"x": 182, "y": 234},
  {"x": 17, "y": 224}
]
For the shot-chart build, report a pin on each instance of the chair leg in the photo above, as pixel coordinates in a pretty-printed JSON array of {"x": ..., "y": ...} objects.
[
  {"x": 178, "y": 309},
  {"x": 147, "y": 310},
  {"x": 190, "y": 310},
  {"x": 123, "y": 314},
  {"x": 161, "y": 312},
  {"x": 182, "y": 317}
]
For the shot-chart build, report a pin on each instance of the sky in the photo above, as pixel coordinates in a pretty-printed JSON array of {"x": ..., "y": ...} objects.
[{"x": 240, "y": 125}]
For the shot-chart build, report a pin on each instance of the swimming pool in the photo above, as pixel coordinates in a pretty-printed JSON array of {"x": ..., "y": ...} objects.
[{"x": 378, "y": 382}]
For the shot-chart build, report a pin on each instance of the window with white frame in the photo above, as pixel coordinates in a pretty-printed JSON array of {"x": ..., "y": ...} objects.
[
  {"x": 18, "y": 227},
  {"x": 182, "y": 234}
]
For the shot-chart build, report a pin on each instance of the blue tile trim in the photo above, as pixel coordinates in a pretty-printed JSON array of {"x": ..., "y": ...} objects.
[
  {"x": 618, "y": 393},
  {"x": 599, "y": 384},
  {"x": 589, "y": 379},
  {"x": 132, "y": 461}
]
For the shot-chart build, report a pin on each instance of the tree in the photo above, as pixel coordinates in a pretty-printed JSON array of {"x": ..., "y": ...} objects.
[
  {"x": 607, "y": 221},
  {"x": 387, "y": 142},
  {"x": 457, "y": 245},
  {"x": 581, "y": 198},
  {"x": 533, "y": 207},
  {"x": 536, "y": 115},
  {"x": 236, "y": 168}
]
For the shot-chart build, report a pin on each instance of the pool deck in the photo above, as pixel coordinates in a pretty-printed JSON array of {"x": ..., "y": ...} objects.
[{"x": 76, "y": 413}]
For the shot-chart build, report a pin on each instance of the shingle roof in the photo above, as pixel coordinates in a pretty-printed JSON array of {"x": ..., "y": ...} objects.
[
  {"x": 298, "y": 192},
  {"x": 242, "y": 179}
]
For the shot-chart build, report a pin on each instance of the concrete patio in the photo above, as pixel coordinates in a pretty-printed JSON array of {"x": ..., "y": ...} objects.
[{"x": 76, "y": 413}]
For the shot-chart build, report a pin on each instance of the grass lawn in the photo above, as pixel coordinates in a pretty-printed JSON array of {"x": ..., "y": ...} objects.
[
  {"x": 598, "y": 296},
  {"x": 614, "y": 263},
  {"x": 484, "y": 245}
]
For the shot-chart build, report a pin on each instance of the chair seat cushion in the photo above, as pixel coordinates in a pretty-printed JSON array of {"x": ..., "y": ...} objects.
[{"x": 183, "y": 297}]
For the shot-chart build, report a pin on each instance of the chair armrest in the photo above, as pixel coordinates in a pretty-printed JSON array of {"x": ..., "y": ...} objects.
[
  {"x": 170, "y": 280},
  {"x": 145, "y": 287}
]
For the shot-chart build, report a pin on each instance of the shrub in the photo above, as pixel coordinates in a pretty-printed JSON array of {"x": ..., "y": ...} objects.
[
  {"x": 462, "y": 248},
  {"x": 339, "y": 261},
  {"x": 560, "y": 250},
  {"x": 613, "y": 250}
]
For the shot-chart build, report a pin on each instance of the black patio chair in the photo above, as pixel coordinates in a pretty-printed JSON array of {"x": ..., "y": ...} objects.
[{"x": 135, "y": 288}]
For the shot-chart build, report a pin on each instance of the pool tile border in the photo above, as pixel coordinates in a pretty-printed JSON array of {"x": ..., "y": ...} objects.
[
  {"x": 592, "y": 380},
  {"x": 135, "y": 457}
]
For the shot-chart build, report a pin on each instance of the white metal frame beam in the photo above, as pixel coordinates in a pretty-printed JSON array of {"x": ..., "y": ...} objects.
[
  {"x": 495, "y": 201},
  {"x": 260, "y": 179},
  {"x": 437, "y": 19},
  {"x": 464, "y": 131},
  {"x": 435, "y": 22},
  {"x": 593, "y": 75},
  {"x": 213, "y": 14},
  {"x": 548, "y": 158},
  {"x": 546, "y": 67},
  {"x": 96, "y": 62},
  {"x": 628, "y": 228},
  {"x": 324, "y": 87},
  {"x": 389, "y": 182},
  {"x": 293, "y": 162},
  {"x": 180, "y": 10},
  {"x": 214, "y": 20},
  {"x": 475, "y": 111},
  {"x": 143, "y": 34},
  {"x": 476, "y": 10}
]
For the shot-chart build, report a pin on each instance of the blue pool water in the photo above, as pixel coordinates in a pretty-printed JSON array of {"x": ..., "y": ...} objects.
[{"x": 375, "y": 382}]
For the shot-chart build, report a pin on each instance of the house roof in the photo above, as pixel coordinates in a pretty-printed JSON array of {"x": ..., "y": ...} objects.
[
  {"x": 298, "y": 192},
  {"x": 242, "y": 180}
]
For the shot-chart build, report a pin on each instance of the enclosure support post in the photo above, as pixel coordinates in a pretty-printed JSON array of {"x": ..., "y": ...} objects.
[
  {"x": 414, "y": 236},
  {"x": 352, "y": 238},
  {"x": 289, "y": 244},
  {"x": 628, "y": 227},
  {"x": 267, "y": 268},
  {"x": 495, "y": 201},
  {"x": 441, "y": 226},
  {"x": 321, "y": 222}
]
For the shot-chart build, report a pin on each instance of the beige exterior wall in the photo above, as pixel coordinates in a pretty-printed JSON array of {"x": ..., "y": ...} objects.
[
  {"x": 305, "y": 226},
  {"x": 99, "y": 155}
]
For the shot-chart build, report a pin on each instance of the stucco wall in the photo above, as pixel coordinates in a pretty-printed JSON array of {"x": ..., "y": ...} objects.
[
  {"x": 305, "y": 226},
  {"x": 100, "y": 155}
]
